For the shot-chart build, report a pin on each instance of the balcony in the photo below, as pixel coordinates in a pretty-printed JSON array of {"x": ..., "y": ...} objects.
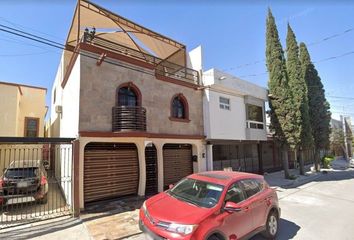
[
  {"x": 255, "y": 131},
  {"x": 127, "y": 118},
  {"x": 161, "y": 67}
]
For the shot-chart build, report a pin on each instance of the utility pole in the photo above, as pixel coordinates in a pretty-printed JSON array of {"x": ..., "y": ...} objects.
[{"x": 345, "y": 136}]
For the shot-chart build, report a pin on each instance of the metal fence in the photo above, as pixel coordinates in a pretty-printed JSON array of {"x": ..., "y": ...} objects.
[{"x": 35, "y": 179}]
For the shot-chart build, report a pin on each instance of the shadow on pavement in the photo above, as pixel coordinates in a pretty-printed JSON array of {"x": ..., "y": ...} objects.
[
  {"x": 41, "y": 229},
  {"x": 326, "y": 176},
  {"x": 111, "y": 207},
  {"x": 287, "y": 230}
]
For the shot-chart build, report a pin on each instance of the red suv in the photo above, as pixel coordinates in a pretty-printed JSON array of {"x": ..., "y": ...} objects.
[{"x": 212, "y": 205}]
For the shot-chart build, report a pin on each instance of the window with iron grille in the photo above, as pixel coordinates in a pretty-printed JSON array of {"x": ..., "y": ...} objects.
[{"x": 31, "y": 127}]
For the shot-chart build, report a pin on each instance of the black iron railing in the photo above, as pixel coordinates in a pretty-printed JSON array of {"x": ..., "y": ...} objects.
[
  {"x": 162, "y": 67},
  {"x": 127, "y": 118},
  {"x": 172, "y": 70}
]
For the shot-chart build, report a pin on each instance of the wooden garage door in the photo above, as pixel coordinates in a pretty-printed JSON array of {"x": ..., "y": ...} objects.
[
  {"x": 110, "y": 170},
  {"x": 177, "y": 163}
]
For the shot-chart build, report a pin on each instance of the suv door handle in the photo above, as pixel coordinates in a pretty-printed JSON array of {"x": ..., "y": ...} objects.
[{"x": 246, "y": 209}]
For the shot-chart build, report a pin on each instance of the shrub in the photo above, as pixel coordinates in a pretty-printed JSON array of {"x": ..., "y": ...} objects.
[{"x": 326, "y": 160}]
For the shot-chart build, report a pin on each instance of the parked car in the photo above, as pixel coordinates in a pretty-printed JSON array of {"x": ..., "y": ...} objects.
[
  {"x": 23, "y": 180},
  {"x": 213, "y": 205}
]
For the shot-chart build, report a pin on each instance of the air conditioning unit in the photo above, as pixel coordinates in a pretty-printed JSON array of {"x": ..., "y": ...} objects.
[{"x": 58, "y": 109}]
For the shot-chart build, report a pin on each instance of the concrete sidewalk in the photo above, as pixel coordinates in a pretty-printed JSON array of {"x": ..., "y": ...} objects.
[{"x": 276, "y": 179}]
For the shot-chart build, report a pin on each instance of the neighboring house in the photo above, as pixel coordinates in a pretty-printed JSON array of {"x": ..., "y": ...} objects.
[
  {"x": 130, "y": 99},
  {"x": 234, "y": 122},
  {"x": 342, "y": 137},
  {"x": 22, "y": 110}
]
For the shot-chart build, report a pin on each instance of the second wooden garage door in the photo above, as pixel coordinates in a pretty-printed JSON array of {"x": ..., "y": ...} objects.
[
  {"x": 110, "y": 170},
  {"x": 177, "y": 163}
]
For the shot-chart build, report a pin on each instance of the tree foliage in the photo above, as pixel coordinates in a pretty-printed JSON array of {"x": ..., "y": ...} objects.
[
  {"x": 319, "y": 113},
  {"x": 279, "y": 95},
  {"x": 301, "y": 135}
]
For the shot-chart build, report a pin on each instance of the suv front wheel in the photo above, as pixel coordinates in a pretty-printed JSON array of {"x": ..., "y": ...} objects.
[{"x": 271, "y": 226}]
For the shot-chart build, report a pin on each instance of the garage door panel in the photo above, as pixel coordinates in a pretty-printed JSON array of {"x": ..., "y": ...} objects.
[
  {"x": 177, "y": 163},
  {"x": 110, "y": 170}
]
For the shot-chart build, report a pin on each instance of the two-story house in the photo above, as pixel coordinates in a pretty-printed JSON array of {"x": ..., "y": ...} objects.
[
  {"x": 234, "y": 122},
  {"x": 129, "y": 97},
  {"x": 23, "y": 110}
]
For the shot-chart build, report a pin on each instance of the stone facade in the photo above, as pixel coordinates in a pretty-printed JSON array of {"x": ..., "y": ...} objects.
[{"x": 98, "y": 96}]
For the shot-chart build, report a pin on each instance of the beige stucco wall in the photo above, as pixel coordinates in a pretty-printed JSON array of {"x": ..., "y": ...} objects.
[
  {"x": 9, "y": 101},
  {"x": 32, "y": 104},
  {"x": 98, "y": 96},
  {"x": 14, "y": 107}
]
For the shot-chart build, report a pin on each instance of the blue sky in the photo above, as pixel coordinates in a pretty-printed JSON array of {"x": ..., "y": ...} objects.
[{"x": 232, "y": 34}]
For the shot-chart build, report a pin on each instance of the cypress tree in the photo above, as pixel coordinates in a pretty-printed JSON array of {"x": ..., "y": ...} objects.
[
  {"x": 279, "y": 100},
  {"x": 301, "y": 136},
  {"x": 319, "y": 113}
]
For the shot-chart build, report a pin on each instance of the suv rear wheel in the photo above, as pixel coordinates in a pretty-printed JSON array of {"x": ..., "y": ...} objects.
[
  {"x": 271, "y": 226},
  {"x": 214, "y": 237}
]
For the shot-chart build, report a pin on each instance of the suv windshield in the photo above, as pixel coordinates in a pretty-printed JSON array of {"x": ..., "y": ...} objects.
[
  {"x": 196, "y": 192},
  {"x": 20, "y": 173}
]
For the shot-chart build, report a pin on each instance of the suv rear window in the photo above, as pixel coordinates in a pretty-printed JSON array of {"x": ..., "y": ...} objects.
[{"x": 19, "y": 173}]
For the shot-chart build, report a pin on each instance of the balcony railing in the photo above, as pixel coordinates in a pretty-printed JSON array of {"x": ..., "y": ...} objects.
[
  {"x": 127, "y": 118},
  {"x": 162, "y": 67},
  {"x": 169, "y": 69},
  {"x": 255, "y": 124}
]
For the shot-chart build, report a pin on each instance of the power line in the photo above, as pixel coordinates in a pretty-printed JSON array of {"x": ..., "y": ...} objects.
[
  {"x": 48, "y": 42},
  {"x": 23, "y": 54},
  {"x": 310, "y": 44},
  {"x": 341, "y": 97},
  {"x": 26, "y": 27}
]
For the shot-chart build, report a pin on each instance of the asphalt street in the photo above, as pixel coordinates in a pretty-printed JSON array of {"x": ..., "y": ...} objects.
[{"x": 322, "y": 209}]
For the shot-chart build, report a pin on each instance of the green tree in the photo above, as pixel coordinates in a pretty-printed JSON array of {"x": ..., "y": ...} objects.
[
  {"x": 319, "y": 113},
  {"x": 279, "y": 100},
  {"x": 301, "y": 136}
]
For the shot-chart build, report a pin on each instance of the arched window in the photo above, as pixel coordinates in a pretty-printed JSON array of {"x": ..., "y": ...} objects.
[
  {"x": 128, "y": 95},
  {"x": 179, "y": 107}
]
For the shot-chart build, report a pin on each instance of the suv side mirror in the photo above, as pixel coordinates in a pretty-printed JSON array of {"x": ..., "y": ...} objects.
[{"x": 232, "y": 207}]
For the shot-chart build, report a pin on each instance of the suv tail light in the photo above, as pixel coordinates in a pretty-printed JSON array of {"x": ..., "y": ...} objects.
[
  {"x": 2, "y": 183},
  {"x": 44, "y": 180}
]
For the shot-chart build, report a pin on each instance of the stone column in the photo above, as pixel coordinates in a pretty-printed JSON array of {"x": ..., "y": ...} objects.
[
  {"x": 209, "y": 157},
  {"x": 142, "y": 168}
]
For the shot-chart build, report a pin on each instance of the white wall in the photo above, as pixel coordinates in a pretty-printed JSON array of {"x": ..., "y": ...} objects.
[
  {"x": 195, "y": 59},
  {"x": 69, "y": 125},
  {"x": 222, "y": 123},
  {"x": 230, "y": 124}
]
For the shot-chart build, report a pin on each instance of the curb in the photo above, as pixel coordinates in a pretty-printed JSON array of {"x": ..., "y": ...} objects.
[{"x": 304, "y": 181}]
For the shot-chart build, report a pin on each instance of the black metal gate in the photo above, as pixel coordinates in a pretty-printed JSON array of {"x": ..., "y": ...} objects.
[
  {"x": 151, "y": 170},
  {"x": 35, "y": 179}
]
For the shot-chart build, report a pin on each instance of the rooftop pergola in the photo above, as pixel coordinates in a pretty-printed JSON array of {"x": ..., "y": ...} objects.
[{"x": 121, "y": 31}]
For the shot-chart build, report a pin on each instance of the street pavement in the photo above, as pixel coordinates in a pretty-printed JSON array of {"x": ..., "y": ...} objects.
[{"x": 322, "y": 209}]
